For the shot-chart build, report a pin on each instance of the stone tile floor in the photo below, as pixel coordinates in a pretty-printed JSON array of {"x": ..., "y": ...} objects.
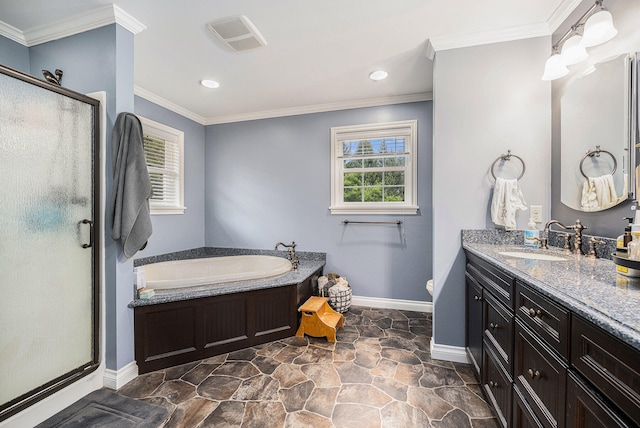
[{"x": 379, "y": 373}]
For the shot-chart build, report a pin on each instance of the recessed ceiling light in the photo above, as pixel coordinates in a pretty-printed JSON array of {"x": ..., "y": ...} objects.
[
  {"x": 378, "y": 75},
  {"x": 209, "y": 84}
]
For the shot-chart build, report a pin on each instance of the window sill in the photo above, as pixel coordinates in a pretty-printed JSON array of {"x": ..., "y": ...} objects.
[
  {"x": 405, "y": 210},
  {"x": 167, "y": 211}
]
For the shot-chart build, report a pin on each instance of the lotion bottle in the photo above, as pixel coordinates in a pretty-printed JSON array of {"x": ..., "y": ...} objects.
[{"x": 531, "y": 235}]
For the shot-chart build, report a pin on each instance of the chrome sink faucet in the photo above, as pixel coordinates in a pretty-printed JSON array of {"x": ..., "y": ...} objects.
[
  {"x": 295, "y": 262},
  {"x": 577, "y": 228}
]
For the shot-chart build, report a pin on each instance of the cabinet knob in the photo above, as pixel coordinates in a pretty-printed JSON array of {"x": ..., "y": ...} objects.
[
  {"x": 477, "y": 298},
  {"x": 533, "y": 374},
  {"x": 535, "y": 313},
  {"x": 493, "y": 384},
  {"x": 493, "y": 326}
]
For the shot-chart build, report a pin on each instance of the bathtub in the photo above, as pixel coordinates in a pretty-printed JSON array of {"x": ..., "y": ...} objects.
[{"x": 213, "y": 270}]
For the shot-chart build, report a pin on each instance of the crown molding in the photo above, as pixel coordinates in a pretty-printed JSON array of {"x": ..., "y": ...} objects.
[
  {"x": 558, "y": 16},
  {"x": 319, "y": 108},
  {"x": 561, "y": 13},
  {"x": 169, "y": 105},
  {"x": 73, "y": 25},
  {"x": 441, "y": 43},
  {"x": 12, "y": 33},
  {"x": 268, "y": 114}
]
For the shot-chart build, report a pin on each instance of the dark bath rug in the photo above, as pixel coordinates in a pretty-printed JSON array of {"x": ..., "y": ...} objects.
[{"x": 105, "y": 408}]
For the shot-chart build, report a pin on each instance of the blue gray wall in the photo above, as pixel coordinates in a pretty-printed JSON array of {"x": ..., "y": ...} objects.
[
  {"x": 269, "y": 180},
  {"x": 179, "y": 232},
  {"x": 14, "y": 55},
  {"x": 487, "y": 99}
]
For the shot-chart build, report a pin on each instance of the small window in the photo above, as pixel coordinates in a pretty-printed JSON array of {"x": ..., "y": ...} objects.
[
  {"x": 373, "y": 168},
  {"x": 164, "y": 151}
]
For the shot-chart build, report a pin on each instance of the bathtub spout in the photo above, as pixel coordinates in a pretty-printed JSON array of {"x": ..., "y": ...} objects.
[{"x": 295, "y": 262}]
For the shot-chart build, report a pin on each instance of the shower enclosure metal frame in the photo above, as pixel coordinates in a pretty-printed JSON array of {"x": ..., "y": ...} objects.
[{"x": 94, "y": 245}]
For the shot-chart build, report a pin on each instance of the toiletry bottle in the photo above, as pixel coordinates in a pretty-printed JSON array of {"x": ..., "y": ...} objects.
[
  {"x": 633, "y": 248},
  {"x": 532, "y": 235},
  {"x": 625, "y": 238}
]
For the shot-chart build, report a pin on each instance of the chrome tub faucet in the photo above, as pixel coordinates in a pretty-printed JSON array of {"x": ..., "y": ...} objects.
[{"x": 293, "y": 258}]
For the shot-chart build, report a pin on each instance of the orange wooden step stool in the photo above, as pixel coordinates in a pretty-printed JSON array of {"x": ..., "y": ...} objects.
[{"x": 319, "y": 319}]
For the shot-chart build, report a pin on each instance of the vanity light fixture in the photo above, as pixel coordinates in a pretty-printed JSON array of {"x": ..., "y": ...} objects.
[
  {"x": 597, "y": 24},
  {"x": 598, "y": 28},
  {"x": 378, "y": 75},
  {"x": 573, "y": 51},
  {"x": 209, "y": 84},
  {"x": 555, "y": 67}
]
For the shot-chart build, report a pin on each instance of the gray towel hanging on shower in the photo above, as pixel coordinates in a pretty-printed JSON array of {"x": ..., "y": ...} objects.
[{"x": 130, "y": 215}]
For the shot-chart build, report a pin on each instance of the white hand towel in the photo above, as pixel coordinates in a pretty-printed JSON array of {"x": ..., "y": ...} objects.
[
  {"x": 599, "y": 193},
  {"x": 507, "y": 200}
]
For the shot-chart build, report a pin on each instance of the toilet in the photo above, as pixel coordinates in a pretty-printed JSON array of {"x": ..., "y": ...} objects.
[{"x": 430, "y": 286}]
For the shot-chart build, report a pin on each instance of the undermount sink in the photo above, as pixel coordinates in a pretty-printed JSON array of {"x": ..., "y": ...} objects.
[{"x": 532, "y": 256}]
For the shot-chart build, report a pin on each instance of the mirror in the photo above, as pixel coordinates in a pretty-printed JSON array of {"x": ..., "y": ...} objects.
[{"x": 597, "y": 161}]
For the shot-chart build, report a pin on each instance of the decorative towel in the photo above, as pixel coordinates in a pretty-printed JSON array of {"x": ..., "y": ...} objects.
[
  {"x": 507, "y": 199},
  {"x": 130, "y": 215},
  {"x": 599, "y": 193}
]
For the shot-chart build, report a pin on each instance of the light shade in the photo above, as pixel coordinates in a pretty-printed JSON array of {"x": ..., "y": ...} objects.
[
  {"x": 572, "y": 51},
  {"x": 598, "y": 29},
  {"x": 554, "y": 68}
]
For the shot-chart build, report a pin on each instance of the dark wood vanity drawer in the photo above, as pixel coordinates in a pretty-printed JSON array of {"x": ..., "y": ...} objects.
[
  {"x": 541, "y": 377},
  {"x": 544, "y": 317},
  {"x": 498, "y": 331},
  {"x": 497, "y": 282},
  {"x": 523, "y": 416},
  {"x": 611, "y": 365},
  {"x": 585, "y": 408},
  {"x": 497, "y": 385},
  {"x": 474, "y": 330}
]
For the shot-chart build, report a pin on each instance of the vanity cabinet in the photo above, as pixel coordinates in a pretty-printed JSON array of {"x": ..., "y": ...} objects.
[
  {"x": 490, "y": 322},
  {"x": 542, "y": 353},
  {"x": 586, "y": 408},
  {"x": 539, "y": 364},
  {"x": 610, "y": 365},
  {"x": 474, "y": 322},
  {"x": 540, "y": 376}
]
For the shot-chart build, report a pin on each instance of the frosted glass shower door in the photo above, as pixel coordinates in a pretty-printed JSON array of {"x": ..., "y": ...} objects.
[{"x": 48, "y": 320}]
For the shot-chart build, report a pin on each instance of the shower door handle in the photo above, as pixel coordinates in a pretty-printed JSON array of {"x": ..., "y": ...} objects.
[{"x": 90, "y": 223}]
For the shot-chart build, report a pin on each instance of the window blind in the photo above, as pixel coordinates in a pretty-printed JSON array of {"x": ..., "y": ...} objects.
[{"x": 163, "y": 163}]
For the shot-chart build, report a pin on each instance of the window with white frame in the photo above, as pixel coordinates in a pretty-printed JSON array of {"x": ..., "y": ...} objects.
[
  {"x": 164, "y": 152},
  {"x": 374, "y": 168}
]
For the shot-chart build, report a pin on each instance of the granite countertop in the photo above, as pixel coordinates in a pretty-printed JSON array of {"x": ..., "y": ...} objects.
[
  {"x": 309, "y": 264},
  {"x": 587, "y": 286}
]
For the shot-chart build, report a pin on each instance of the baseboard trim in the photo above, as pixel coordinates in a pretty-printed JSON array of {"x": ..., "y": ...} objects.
[
  {"x": 457, "y": 354},
  {"x": 116, "y": 379},
  {"x": 379, "y": 302}
]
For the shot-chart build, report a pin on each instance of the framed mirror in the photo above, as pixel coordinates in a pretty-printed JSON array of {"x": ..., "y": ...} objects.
[{"x": 597, "y": 144}]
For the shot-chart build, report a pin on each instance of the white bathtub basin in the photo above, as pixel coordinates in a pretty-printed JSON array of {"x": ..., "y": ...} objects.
[
  {"x": 214, "y": 270},
  {"x": 532, "y": 256}
]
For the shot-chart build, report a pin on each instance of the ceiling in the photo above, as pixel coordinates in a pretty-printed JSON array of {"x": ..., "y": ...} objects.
[{"x": 318, "y": 54}]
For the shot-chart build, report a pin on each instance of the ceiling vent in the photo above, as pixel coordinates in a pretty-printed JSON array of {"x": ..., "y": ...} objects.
[{"x": 238, "y": 33}]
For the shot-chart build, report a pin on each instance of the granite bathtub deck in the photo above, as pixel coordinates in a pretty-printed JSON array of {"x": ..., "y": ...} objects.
[
  {"x": 310, "y": 262},
  {"x": 589, "y": 287}
]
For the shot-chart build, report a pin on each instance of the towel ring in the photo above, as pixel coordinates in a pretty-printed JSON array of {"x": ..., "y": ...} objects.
[
  {"x": 504, "y": 158},
  {"x": 596, "y": 153}
]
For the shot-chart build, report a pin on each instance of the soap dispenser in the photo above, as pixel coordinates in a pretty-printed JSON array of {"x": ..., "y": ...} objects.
[
  {"x": 531, "y": 235},
  {"x": 624, "y": 239}
]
